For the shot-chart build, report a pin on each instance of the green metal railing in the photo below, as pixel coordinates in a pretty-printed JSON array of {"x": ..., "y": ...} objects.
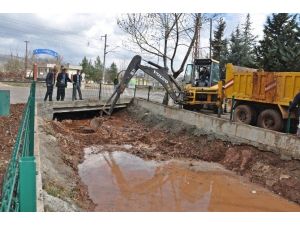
[{"x": 19, "y": 184}]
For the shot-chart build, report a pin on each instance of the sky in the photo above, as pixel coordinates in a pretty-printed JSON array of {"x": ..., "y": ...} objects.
[
  {"x": 75, "y": 35},
  {"x": 68, "y": 34}
]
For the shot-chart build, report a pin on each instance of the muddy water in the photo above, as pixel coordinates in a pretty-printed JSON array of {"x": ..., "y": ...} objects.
[{"x": 118, "y": 181}]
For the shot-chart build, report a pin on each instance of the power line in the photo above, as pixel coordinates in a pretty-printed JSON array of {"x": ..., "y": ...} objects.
[
  {"x": 11, "y": 28},
  {"x": 38, "y": 27},
  {"x": 75, "y": 38},
  {"x": 10, "y": 32}
]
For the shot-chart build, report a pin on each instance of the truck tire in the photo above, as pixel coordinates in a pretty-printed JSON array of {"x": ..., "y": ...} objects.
[
  {"x": 243, "y": 114},
  {"x": 270, "y": 119}
]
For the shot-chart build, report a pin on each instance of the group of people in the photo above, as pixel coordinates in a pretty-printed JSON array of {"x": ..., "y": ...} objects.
[{"x": 61, "y": 81}]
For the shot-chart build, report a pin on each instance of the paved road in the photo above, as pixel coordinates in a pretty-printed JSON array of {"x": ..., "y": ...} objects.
[{"x": 19, "y": 94}]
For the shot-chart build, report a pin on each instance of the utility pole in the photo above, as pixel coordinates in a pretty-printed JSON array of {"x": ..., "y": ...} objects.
[
  {"x": 104, "y": 56},
  {"x": 197, "y": 42},
  {"x": 210, "y": 36},
  {"x": 26, "y": 57}
]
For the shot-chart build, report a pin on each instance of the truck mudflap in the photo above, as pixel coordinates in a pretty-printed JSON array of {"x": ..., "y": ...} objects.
[{"x": 285, "y": 113}]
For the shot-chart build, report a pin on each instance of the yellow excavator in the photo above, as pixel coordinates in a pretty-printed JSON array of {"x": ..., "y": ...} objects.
[{"x": 201, "y": 84}]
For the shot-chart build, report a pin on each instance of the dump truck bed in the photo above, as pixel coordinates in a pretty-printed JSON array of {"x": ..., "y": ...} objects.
[{"x": 260, "y": 86}]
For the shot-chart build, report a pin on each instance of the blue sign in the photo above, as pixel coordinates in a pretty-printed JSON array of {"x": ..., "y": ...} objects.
[{"x": 45, "y": 51}]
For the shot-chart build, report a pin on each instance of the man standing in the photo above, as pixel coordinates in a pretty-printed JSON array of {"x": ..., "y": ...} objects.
[
  {"x": 77, "y": 78},
  {"x": 61, "y": 84},
  {"x": 50, "y": 80},
  {"x": 296, "y": 103}
]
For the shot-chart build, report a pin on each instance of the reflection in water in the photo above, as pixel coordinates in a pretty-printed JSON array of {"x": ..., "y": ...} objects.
[{"x": 119, "y": 181}]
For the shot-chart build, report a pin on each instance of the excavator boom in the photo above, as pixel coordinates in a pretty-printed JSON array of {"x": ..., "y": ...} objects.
[{"x": 159, "y": 73}]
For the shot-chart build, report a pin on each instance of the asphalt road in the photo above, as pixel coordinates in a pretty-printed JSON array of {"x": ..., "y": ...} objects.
[{"x": 19, "y": 94}]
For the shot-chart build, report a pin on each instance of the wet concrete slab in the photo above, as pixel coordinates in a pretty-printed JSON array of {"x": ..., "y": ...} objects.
[{"x": 119, "y": 181}]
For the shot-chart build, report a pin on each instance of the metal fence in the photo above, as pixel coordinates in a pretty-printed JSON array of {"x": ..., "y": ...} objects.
[
  {"x": 20, "y": 89},
  {"x": 92, "y": 91},
  {"x": 155, "y": 94},
  {"x": 19, "y": 184}
]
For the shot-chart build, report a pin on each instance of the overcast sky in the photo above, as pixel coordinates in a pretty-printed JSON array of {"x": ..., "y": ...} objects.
[{"x": 77, "y": 35}]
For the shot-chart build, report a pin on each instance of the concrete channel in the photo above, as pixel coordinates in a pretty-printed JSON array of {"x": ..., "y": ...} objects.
[
  {"x": 117, "y": 175},
  {"x": 286, "y": 145}
]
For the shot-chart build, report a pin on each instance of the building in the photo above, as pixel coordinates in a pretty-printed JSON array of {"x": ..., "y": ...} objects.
[
  {"x": 44, "y": 68},
  {"x": 72, "y": 70}
]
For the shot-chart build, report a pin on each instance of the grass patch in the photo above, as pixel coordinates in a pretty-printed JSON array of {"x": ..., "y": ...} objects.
[{"x": 58, "y": 191}]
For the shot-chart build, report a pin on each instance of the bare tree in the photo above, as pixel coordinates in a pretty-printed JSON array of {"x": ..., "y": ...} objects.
[
  {"x": 14, "y": 64},
  {"x": 166, "y": 36}
]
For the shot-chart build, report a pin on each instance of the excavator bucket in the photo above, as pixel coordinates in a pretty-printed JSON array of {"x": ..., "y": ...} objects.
[{"x": 129, "y": 73}]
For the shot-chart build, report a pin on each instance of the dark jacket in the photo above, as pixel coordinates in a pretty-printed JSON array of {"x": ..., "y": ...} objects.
[
  {"x": 75, "y": 80},
  {"x": 50, "y": 79},
  {"x": 295, "y": 103},
  {"x": 62, "y": 79},
  {"x": 204, "y": 75}
]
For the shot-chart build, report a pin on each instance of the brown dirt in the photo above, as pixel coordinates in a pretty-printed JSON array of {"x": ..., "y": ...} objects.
[
  {"x": 64, "y": 181},
  {"x": 156, "y": 138},
  {"x": 12, "y": 75},
  {"x": 8, "y": 132}
]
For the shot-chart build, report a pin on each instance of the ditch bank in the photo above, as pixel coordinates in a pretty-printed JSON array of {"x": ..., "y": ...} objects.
[
  {"x": 63, "y": 190},
  {"x": 285, "y": 145},
  {"x": 152, "y": 137}
]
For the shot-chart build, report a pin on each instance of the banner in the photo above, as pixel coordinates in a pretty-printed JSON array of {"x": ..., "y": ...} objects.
[{"x": 45, "y": 51}]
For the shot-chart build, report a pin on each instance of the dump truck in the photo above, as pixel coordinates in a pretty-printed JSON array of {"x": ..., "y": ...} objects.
[{"x": 261, "y": 98}]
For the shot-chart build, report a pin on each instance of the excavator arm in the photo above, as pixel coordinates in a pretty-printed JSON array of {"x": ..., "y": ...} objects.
[{"x": 159, "y": 73}]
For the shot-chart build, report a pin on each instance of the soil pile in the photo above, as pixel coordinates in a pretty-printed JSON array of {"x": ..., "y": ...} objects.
[{"x": 8, "y": 132}]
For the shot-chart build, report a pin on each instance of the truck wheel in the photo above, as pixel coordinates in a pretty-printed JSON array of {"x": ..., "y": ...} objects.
[
  {"x": 270, "y": 119},
  {"x": 243, "y": 114}
]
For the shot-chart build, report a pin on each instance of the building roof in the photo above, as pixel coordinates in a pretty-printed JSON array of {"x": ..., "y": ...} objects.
[{"x": 73, "y": 67}]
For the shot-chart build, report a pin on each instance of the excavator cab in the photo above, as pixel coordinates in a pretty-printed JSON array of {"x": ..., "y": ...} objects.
[
  {"x": 202, "y": 85},
  {"x": 202, "y": 73}
]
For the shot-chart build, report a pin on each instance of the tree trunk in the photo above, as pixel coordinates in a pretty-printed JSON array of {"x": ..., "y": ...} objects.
[
  {"x": 178, "y": 72},
  {"x": 166, "y": 99}
]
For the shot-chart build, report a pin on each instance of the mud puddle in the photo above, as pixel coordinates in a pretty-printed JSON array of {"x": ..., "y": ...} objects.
[{"x": 119, "y": 181}]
